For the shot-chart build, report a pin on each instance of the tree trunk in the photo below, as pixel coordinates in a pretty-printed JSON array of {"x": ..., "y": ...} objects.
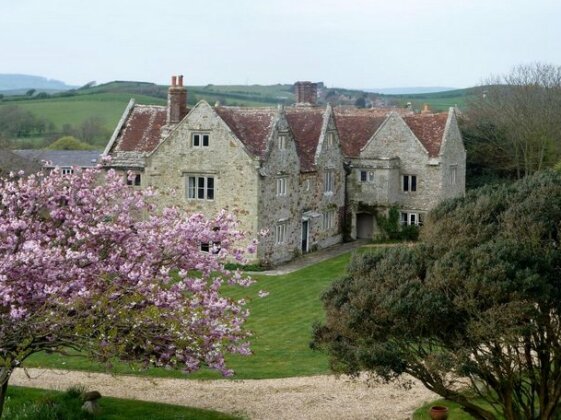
[{"x": 4, "y": 378}]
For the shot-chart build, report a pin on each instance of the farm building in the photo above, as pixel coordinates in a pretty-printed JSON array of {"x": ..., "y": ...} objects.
[{"x": 309, "y": 175}]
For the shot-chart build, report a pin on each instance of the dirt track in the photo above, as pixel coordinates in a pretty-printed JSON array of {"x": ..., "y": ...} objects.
[{"x": 316, "y": 397}]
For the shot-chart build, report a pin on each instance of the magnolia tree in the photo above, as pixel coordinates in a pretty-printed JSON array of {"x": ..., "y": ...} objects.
[{"x": 88, "y": 264}]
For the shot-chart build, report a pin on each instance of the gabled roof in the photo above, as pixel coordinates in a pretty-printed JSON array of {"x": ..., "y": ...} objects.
[
  {"x": 13, "y": 162},
  {"x": 252, "y": 126},
  {"x": 141, "y": 131},
  {"x": 306, "y": 124},
  {"x": 357, "y": 126},
  {"x": 429, "y": 129}
]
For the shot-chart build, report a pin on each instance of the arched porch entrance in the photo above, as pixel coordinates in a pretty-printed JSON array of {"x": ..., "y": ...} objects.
[{"x": 364, "y": 225}]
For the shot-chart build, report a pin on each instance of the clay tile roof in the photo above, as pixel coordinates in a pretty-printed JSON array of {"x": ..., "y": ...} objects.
[
  {"x": 141, "y": 131},
  {"x": 251, "y": 125},
  {"x": 305, "y": 123},
  {"x": 429, "y": 129},
  {"x": 357, "y": 126}
]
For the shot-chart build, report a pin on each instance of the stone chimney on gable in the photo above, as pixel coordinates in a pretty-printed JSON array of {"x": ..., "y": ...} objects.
[
  {"x": 177, "y": 100},
  {"x": 306, "y": 93}
]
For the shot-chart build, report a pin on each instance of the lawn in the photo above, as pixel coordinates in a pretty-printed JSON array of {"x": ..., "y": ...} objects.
[
  {"x": 32, "y": 404},
  {"x": 281, "y": 324},
  {"x": 455, "y": 411}
]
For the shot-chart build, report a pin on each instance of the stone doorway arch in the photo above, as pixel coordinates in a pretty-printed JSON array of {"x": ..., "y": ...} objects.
[{"x": 364, "y": 225}]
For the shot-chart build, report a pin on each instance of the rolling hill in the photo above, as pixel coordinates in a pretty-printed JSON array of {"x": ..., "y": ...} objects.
[
  {"x": 11, "y": 83},
  {"x": 107, "y": 102}
]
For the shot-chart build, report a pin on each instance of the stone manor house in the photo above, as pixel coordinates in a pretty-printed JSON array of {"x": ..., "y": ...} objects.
[{"x": 310, "y": 175}]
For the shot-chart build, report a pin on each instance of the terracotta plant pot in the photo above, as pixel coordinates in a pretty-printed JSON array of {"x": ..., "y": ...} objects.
[{"x": 438, "y": 412}]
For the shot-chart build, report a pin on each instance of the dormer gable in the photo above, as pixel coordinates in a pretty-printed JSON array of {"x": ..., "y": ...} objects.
[
  {"x": 329, "y": 137},
  {"x": 281, "y": 156},
  {"x": 420, "y": 132},
  {"x": 452, "y": 137}
]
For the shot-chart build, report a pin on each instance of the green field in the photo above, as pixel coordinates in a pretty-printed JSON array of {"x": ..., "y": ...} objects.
[
  {"x": 281, "y": 324},
  {"x": 108, "y": 101},
  {"x": 34, "y": 404},
  {"x": 76, "y": 109},
  {"x": 439, "y": 101}
]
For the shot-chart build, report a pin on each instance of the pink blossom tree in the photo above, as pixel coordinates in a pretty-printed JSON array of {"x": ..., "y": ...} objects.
[{"x": 88, "y": 263}]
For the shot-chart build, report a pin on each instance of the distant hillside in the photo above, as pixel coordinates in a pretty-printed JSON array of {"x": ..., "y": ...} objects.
[
  {"x": 20, "y": 82},
  {"x": 72, "y": 111},
  {"x": 410, "y": 90}
]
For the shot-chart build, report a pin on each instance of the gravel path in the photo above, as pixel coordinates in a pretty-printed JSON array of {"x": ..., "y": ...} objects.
[{"x": 315, "y": 397}]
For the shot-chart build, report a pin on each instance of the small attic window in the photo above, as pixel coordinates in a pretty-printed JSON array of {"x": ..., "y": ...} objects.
[
  {"x": 200, "y": 139},
  {"x": 282, "y": 142},
  {"x": 133, "y": 179},
  {"x": 366, "y": 176},
  {"x": 330, "y": 141}
]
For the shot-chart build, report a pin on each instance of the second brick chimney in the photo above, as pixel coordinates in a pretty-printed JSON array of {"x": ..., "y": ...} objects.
[
  {"x": 306, "y": 92},
  {"x": 177, "y": 100}
]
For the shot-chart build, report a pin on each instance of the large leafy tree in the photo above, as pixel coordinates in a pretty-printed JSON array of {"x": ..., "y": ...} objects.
[
  {"x": 87, "y": 263},
  {"x": 472, "y": 311},
  {"x": 513, "y": 126}
]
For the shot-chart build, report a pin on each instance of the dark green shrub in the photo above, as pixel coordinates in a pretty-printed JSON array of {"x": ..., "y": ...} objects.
[{"x": 393, "y": 230}]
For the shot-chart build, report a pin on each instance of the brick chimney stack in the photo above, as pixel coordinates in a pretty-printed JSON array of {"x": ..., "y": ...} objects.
[
  {"x": 177, "y": 100},
  {"x": 306, "y": 92}
]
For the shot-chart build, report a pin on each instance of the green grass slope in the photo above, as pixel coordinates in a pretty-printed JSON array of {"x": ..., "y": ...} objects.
[
  {"x": 76, "y": 109},
  {"x": 281, "y": 324},
  {"x": 38, "y": 404},
  {"x": 438, "y": 101}
]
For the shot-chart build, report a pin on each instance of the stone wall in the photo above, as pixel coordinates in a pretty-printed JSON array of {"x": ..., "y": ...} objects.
[
  {"x": 305, "y": 199},
  {"x": 453, "y": 161},
  {"x": 329, "y": 157},
  {"x": 395, "y": 152},
  {"x": 250, "y": 188},
  {"x": 235, "y": 174},
  {"x": 395, "y": 143},
  {"x": 282, "y": 208}
]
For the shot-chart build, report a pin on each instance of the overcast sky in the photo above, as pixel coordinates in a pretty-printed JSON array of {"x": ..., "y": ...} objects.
[{"x": 345, "y": 43}]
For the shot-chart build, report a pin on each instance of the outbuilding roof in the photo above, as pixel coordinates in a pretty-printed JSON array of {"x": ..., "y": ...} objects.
[{"x": 61, "y": 158}]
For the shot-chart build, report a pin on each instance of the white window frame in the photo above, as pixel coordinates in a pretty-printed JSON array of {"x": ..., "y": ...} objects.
[
  {"x": 453, "y": 174},
  {"x": 195, "y": 184},
  {"x": 200, "y": 139},
  {"x": 136, "y": 181},
  {"x": 281, "y": 186},
  {"x": 282, "y": 142},
  {"x": 67, "y": 171},
  {"x": 211, "y": 247},
  {"x": 328, "y": 219},
  {"x": 409, "y": 183},
  {"x": 280, "y": 233},
  {"x": 328, "y": 181},
  {"x": 368, "y": 175},
  {"x": 411, "y": 218},
  {"x": 330, "y": 141}
]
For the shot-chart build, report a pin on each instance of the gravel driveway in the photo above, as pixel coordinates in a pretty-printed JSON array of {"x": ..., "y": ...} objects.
[{"x": 313, "y": 397}]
